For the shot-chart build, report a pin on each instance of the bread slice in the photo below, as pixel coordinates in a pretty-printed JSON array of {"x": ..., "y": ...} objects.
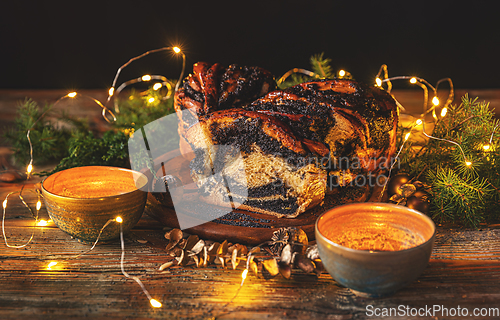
[{"x": 247, "y": 160}]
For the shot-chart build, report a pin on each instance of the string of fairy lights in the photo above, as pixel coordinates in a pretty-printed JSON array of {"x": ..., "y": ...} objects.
[
  {"x": 435, "y": 103},
  {"x": 382, "y": 80},
  {"x": 35, "y": 216},
  {"x": 109, "y": 116}
]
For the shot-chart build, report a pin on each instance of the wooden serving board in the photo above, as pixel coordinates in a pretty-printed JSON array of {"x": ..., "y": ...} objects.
[{"x": 238, "y": 226}]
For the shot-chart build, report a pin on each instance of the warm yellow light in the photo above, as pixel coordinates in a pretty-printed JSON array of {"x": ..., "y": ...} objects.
[
  {"x": 72, "y": 94},
  {"x": 244, "y": 274},
  {"x": 52, "y": 264},
  {"x": 38, "y": 205},
  {"x": 407, "y": 136},
  {"x": 146, "y": 77},
  {"x": 378, "y": 81},
  {"x": 29, "y": 168},
  {"x": 42, "y": 223},
  {"x": 435, "y": 101},
  {"x": 119, "y": 219},
  {"x": 486, "y": 147},
  {"x": 176, "y": 49},
  {"x": 155, "y": 303},
  {"x": 157, "y": 86},
  {"x": 341, "y": 73},
  {"x": 413, "y": 80},
  {"x": 419, "y": 122},
  {"x": 443, "y": 112},
  {"x": 111, "y": 91},
  {"x": 468, "y": 163},
  {"x": 434, "y": 115},
  {"x": 151, "y": 100},
  {"x": 4, "y": 204}
]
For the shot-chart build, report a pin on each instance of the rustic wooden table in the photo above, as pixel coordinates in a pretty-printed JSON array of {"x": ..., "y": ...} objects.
[{"x": 463, "y": 275}]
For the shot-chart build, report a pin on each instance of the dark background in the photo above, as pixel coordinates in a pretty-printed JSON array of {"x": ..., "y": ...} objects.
[{"x": 81, "y": 44}]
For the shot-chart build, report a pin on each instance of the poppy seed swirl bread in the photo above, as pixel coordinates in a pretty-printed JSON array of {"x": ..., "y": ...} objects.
[{"x": 280, "y": 152}]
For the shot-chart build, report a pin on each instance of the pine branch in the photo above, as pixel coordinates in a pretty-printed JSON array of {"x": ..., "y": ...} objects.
[
  {"x": 321, "y": 66},
  {"x": 79, "y": 146},
  {"x": 466, "y": 193},
  {"x": 459, "y": 198},
  {"x": 49, "y": 141}
]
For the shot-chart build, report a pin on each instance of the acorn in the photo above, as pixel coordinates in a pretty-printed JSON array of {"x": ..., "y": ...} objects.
[
  {"x": 419, "y": 201},
  {"x": 396, "y": 182}
]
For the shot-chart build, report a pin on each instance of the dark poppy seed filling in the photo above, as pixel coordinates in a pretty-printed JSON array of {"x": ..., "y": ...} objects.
[
  {"x": 245, "y": 133},
  {"x": 243, "y": 220},
  {"x": 285, "y": 207},
  {"x": 242, "y": 85}
]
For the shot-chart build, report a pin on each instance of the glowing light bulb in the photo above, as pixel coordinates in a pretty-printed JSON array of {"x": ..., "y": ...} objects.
[
  {"x": 244, "y": 274},
  {"x": 176, "y": 49},
  {"x": 119, "y": 219},
  {"x": 434, "y": 115},
  {"x": 157, "y": 86},
  {"x": 155, "y": 303},
  {"x": 443, "y": 112},
  {"x": 72, "y": 94},
  {"x": 419, "y": 122},
  {"x": 38, "y": 205},
  {"x": 341, "y": 73},
  {"x": 378, "y": 82},
  {"x": 407, "y": 136},
  {"x": 486, "y": 147},
  {"x": 468, "y": 163},
  {"x": 146, "y": 77},
  {"x": 151, "y": 100},
  {"x": 51, "y": 264},
  {"x": 413, "y": 80},
  {"x": 111, "y": 91},
  {"x": 29, "y": 168},
  {"x": 435, "y": 101},
  {"x": 4, "y": 204},
  {"x": 42, "y": 223}
]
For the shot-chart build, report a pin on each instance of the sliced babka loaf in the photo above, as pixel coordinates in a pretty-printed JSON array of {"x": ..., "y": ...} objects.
[{"x": 279, "y": 152}]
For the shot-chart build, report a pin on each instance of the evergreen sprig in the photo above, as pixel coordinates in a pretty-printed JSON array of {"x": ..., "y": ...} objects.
[
  {"x": 321, "y": 66},
  {"x": 50, "y": 141},
  {"x": 136, "y": 111},
  {"x": 459, "y": 198},
  {"x": 461, "y": 192},
  {"x": 85, "y": 149},
  {"x": 79, "y": 146}
]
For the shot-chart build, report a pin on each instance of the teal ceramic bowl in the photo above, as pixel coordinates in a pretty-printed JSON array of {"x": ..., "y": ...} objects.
[
  {"x": 82, "y": 200},
  {"x": 374, "y": 249}
]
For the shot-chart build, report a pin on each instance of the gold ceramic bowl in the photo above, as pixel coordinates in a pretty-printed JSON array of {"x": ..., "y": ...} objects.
[
  {"x": 374, "y": 249},
  {"x": 81, "y": 200}
]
